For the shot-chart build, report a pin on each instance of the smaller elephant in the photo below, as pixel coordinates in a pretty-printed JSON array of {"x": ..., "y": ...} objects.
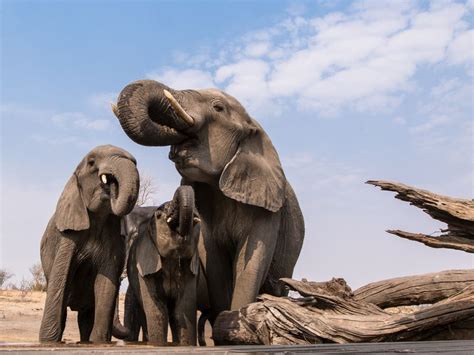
[
  {"x": 163, "y": 271},
  {"x": 82, "y": 251}
]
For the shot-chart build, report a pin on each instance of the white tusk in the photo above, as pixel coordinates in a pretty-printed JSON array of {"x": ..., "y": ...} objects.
[
  {"x": 103, "y": 177},
  {"x": 114, "y": 109},
  {"x": 177, "y": 107},
  {"x": 169, "y": 220},
  {"x": 196, "y": 220}
]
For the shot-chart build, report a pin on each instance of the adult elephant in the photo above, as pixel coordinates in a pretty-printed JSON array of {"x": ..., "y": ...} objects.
[
  {"x": 82, "y": 251},
  {"x": 251, "y": 221}
]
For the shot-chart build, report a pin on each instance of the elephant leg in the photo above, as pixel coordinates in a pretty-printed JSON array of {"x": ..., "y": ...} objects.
[
  {"x": 183, "y": 316},
  {"x": 156, "y": 313},
  {"x": 251, "y": 265},
  {"x": 218, "y": 268},
  {"x": 131, "y": 315},
  {"x": 54, "y": 314},
  {"x": 105, "y": 294},
  {"x": 85, "y": 321}
]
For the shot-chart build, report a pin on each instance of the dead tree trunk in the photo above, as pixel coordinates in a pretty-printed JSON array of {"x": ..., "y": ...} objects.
[
  {"x": 325, "y": 316},
  {"x": 415, "y": 290},
  {"x": 457, "y": 213}
]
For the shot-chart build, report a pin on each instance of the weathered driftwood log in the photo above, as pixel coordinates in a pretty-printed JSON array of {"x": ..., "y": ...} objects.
[
  {"x": 414, "y": 290},
  {"x": 457, "y": 213},
  {"x": 325, "y": 316}
]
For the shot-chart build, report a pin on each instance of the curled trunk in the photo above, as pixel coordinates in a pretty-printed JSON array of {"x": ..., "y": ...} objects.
[
  {"x": 123, "y": 193},
  {"x": 146, "y": 115},
  {"x": 181, "y": 211}
]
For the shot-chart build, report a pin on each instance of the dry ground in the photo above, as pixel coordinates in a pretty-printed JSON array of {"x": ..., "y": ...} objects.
[{"x": 21, "y": 312}]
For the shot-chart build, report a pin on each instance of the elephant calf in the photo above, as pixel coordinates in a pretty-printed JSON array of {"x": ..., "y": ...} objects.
[
  {"x": 82, "y": 252},
  {"x": 163, "y": 270}
]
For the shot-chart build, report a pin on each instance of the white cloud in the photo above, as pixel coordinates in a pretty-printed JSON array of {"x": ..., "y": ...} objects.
[
  {"x": 183, "y": 79},
  {"x": 79, "y": 120},
  {"x": 365, "y": 58},
  {"x": 102, "y": 100},
  {"x": 461, "y": 49},
  {"x": 257, "y": 49},
  {"x": 57, "y": 140},
  {"x": 431, "y": 123}
]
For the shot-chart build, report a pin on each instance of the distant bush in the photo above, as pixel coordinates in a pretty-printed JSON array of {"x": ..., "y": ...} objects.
[
  {"x": 4, "y": 276},
  {"x": 39, "y": 280}
]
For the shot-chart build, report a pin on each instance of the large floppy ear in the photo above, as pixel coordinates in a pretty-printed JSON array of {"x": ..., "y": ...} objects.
[
  {"x": 148, "y": 258},
  {"x": 71, "y": 212},
  {"x": 254, "y": 175}
]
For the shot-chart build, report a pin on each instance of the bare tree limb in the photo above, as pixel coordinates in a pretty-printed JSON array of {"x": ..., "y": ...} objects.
[
  {"x": 147, "y": 190},
  {"x": 414, "y": 290},
  {"x": 457, "y": 213}
]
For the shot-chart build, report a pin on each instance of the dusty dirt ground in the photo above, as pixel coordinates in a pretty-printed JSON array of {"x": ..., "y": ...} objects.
[
  {"x": 21, "y": 313},
  {"x": 20, "y": 317}
]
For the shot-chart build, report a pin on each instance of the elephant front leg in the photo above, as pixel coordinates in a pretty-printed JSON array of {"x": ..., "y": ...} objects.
[
  {"x": 251, "y": 265},
  {"x": 105, "y": 293},
  {"x": 155, "y": 310},
  {"x": 54, "y": 314},
  {"x": 85, "y": 321},
  {"x": 218, "y": 268},
  {"x": 183, "y": 317}
]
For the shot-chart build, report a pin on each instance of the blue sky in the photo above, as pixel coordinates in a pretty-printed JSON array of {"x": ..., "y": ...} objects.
[{"x": 348, "y": 91}]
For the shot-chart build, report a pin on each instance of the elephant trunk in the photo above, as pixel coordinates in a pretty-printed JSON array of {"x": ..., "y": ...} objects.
[
  {"x": 118, "y": 330},
  {"x": 147, "y": 113},
  {"x": 182, "y": 207},
  {"x": 124, "y": 187}
]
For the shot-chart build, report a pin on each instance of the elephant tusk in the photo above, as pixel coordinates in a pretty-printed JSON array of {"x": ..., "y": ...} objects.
[
  {"x": 178, "y": 109},
  {"x": 103, "y": 177},
  {"x": 196, "y": 220},
  {"x": 114, "y": 109},
  {"x": 169, "y": 220}
]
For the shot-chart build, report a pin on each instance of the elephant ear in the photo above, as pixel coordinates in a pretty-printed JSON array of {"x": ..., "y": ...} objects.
[
  {"x": 71, "y": 212},
  {"x": 148, "y": 258},
  {"x": 254, "y": 175}
]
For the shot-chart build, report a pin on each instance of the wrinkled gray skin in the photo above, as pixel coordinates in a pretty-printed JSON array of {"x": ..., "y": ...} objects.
[
  {"x": 252, "y": 224},
  {"x": 162, "y": 270},
  {"x": 135, "y": 224},
  {"x": 82, "y": 251}
]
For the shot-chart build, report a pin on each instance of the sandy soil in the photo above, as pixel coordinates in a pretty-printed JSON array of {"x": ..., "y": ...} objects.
[
  {"x": 20, "y": 317},
  {"x": 21, "y": 313}
]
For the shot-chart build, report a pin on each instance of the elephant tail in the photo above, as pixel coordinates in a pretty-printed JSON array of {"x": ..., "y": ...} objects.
[{"x": 202, "y": 328}]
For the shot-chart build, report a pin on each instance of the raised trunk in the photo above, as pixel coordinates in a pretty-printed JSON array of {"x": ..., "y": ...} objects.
[
  {"x": 185, "y": 197},
  {"x": 124, "y": 193},
  {"x": 146, "y": 115}
]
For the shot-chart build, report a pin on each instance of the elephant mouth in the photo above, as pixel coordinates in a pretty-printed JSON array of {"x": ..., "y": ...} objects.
[
  {"x": 180, "y": 153},
  {"x": 109, "y": 185}
]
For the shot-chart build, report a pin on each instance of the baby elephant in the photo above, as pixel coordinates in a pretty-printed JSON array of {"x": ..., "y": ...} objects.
[
  {"x": 163, "y": 269},
  {"x": 82, "y": 251}
]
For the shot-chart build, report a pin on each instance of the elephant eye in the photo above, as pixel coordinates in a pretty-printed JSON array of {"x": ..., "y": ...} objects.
[
  {"x": 218, "y": 107},
  {"x": 91, "y": 162}
]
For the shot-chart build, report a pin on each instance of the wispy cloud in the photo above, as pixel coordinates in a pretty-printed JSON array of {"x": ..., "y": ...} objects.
[
  {"x": 364, "y": 59},
  {"x": 102, "y": 100},
  {"x": 78, "y": 120},
  {"x": 183, "y": 79}
]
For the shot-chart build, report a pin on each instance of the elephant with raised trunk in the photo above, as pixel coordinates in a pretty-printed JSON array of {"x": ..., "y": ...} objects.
[
  {"x": 252, "y": 225},
  {"x": 82, "y": 251},
  {"x": 163, "y": 270}
]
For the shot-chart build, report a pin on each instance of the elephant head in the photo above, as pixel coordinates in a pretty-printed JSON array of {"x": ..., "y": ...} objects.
[
  {"x": 173, "y": 233},
  {"x": 213, "y": 139},
  {"x": 105, "y": 181}
]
